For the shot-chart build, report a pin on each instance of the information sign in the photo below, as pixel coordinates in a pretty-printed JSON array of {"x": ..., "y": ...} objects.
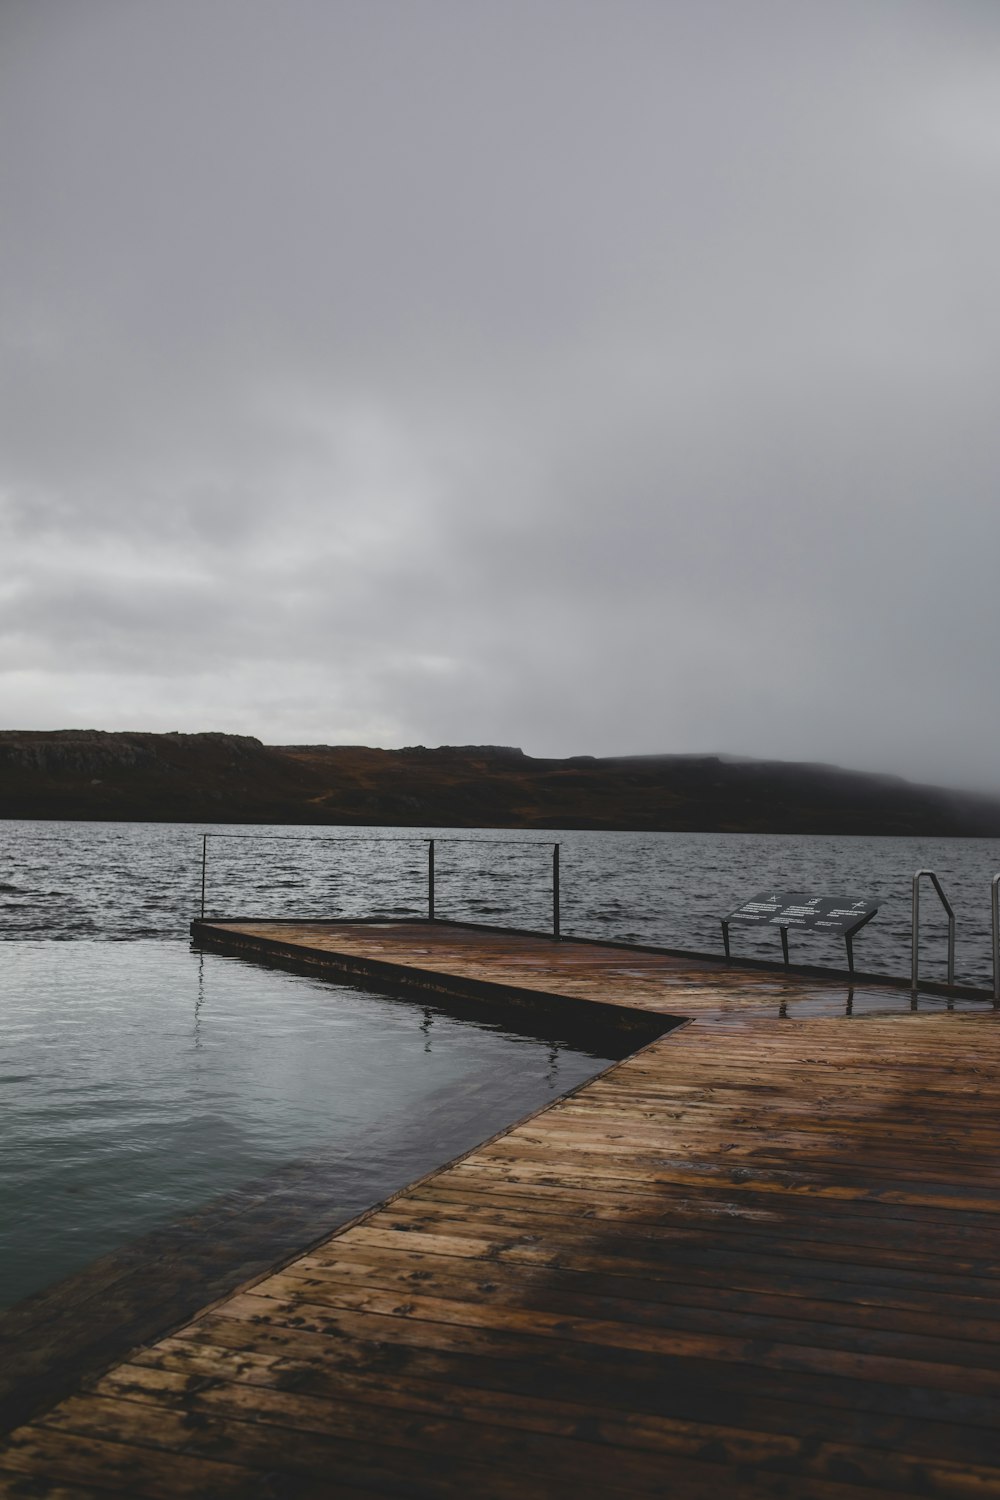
[{"x": 804, "y": 912}]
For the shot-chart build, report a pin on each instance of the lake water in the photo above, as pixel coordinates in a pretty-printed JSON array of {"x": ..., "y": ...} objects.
[
  {"x": 131, "y": 881},
  {"x": 140, "y": 1080}
]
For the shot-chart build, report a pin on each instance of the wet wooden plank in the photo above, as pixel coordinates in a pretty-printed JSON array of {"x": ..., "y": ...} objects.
[
  {"x": 356, "y": 1404},
  {"x": 615, "y": 1379},
  {"x": 519, "y": 1396},
  {"x": 435, "y": 953}
]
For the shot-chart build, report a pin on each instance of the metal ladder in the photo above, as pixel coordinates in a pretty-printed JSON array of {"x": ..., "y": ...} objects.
[
  {"x": 995, "y": 915},
  {"x": 915, "y": 939}
]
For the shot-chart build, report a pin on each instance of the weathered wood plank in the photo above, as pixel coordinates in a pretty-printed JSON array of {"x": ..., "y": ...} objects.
[
  {"x": 680, "y": 1305},
  {"x": 357, "y": 1405},
  {"x": 449, "y": 1381},
  {"x": 571, "y": 1287},
  {"x": 616, "y": 1378}
]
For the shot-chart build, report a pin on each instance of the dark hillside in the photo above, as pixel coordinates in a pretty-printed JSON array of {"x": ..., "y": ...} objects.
[{"x": 224, "y": 778}]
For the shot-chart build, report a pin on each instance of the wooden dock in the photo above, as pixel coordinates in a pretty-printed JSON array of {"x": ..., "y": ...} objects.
[{"x": 759, "y": 1257}]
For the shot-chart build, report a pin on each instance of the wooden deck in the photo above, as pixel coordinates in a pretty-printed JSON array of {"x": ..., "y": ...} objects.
[
  {"x": 466, "y": 959},
  {"x": 759, "y": 1257}
]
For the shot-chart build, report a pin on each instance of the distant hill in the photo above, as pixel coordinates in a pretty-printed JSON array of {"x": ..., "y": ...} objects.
[{"x": 226, "y": 778}]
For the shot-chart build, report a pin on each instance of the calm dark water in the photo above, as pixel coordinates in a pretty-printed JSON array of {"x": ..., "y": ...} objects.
[
  {"x": 129, "y": 881},
  {"x": 142, "y": 1081}
]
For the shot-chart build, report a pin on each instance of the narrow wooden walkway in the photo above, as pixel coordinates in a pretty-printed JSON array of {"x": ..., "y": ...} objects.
[
  {"x": 446, "y": 955},
  {"x": 759, "y": 1257}
]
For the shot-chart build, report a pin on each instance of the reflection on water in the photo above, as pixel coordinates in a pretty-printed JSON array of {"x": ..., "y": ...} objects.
[
  {"x": 121, "y": 880},
  {"x": 142, "y": 1081}
]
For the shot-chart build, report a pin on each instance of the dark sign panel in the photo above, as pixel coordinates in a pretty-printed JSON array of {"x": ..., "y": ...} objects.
[{"x": 801, "y": 910}]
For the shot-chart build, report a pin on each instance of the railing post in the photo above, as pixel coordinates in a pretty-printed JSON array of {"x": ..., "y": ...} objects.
[
  {"x": 995, "y": 894},
  {"x": 555, "y": 891},
  {"x": 204, "y": 861},
  {"x": 915, "y": 931},
  {"x": 430, "y": 880}
]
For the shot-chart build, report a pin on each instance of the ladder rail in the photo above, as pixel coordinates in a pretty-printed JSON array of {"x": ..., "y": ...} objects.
[
  {"x": 915, "y": 937},
  {"x": 995, "y": 903}
]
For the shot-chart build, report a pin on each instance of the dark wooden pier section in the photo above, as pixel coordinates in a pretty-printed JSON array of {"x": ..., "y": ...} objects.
[{"x": 759, "y": 1257}]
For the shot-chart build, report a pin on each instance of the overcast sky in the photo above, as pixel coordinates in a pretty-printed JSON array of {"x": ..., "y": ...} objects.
[{"x": 592, "y": 377}]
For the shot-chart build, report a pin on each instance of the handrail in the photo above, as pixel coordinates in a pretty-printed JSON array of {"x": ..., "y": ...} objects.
[
  {"x": 915, "y": 938},
  {"x": 313, "y": 838},
  {"x": 995, "y": 895},
  {"x": 358, "y": 838}
]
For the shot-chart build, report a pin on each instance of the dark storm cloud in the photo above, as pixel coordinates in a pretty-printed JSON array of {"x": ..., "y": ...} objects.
[{"x": 594, "y": 378}]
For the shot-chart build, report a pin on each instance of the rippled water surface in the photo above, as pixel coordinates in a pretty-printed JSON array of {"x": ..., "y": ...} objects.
[{"x": 119, "y": 880}]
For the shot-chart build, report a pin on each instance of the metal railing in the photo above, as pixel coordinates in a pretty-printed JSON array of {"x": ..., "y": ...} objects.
[
  {"x": 915, "y": 939},
  {"x": 432, "y": 877},
  {"x": 431, "y": 844},
  {"x": 290, "y": 838},
  {"x": 488, "y": 844}
]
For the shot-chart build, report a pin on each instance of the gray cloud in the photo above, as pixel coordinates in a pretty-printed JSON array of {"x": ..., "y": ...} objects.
[{"x": 593, "y": 378}]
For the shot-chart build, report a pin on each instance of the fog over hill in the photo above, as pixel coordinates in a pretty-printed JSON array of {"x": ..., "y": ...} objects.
[{"x": 226, "y": 778}]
